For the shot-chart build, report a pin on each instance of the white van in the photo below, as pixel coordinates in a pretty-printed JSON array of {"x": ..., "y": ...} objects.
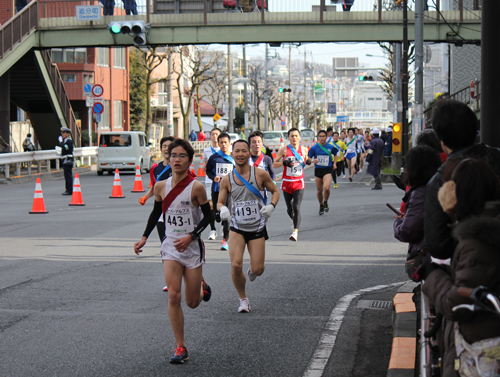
[{"x": 123, "y": 150}]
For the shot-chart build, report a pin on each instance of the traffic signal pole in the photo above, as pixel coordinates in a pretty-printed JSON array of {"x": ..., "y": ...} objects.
[{"x": 404, "y": 94}]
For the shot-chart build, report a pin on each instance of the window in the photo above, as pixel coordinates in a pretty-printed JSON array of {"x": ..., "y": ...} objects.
[
  {"x": 88, "y": 79},
  {"x": 103, "y": 56},
  {"x": 141, "y": 140},
  {"x": 69, "y": 55},
  {"x": 371, "y": 99},
  {"x": 68, "y": 77},
  {"x": 162, "y": 92},
  {"x": 118, "y": 114},
  {"x": 105, "y": 116},
  {"x": 119, "y": 57},
  {"x": 117, "y": 140}
]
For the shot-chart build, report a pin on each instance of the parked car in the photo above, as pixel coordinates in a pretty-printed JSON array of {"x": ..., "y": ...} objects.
[
  {"x": 233, "y": 137},
  {"x": 123, "y": 150},
  {"x": 308, "y": 135},
  {"x": 275, "y": 139}
]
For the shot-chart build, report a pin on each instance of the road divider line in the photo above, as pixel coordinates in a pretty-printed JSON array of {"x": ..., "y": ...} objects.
[{"x": 323, "y": 351}]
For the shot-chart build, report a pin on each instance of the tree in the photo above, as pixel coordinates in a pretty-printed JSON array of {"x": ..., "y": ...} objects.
[
  {"x": 256, "y": 81},
  {"x": 387, "y": 78},
  {"x": 197, "y": 66},
  {"x": 239, "y": 117},
  {"x": 215, "y": 87},
  {"x": 138, "y": 90}
]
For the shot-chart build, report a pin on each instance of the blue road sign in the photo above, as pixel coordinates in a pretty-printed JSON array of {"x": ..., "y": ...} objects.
[
  {"x": 98, "y": 118},
  {"x": 87, "y": 90},
  {"x": 342, "y": 118},
  {"x": 332, "y": 108},
  {"x": 282, "y": 122},
  {"x": 98, "y": 108}
]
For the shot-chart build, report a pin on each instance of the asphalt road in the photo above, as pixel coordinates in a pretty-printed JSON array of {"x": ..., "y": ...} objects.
[{"x": 76, "y": 301}]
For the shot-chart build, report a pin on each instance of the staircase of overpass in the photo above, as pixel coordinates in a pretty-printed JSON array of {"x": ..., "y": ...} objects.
[{"x": 37, "y": 88}]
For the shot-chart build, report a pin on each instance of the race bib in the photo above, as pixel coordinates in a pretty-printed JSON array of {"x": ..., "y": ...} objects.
[
  {"x": 246, "y": 212},
  {"x": 179, "y": 221},
  {"x": 295, "y": 170},
  {"x": 222, "y": 169},
  {"x": 323, "y": 160}
]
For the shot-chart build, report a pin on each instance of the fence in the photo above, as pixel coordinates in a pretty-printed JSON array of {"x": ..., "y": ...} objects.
[{"x": 42, "y": 159}]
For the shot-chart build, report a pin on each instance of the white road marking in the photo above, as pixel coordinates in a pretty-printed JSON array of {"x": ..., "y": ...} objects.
[{"x": 324, "y": 349}]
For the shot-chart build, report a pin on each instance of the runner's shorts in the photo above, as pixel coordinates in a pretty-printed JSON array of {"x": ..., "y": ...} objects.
[
  {"x": 349, "y": 156},
  {"x": 249, "y": 236},
  {"x": 321, "y": 172},
  {"x": 193, "y": 257},
  {"x": 291, "y": 186}
]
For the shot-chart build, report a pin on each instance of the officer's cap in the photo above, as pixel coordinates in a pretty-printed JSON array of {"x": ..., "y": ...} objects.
[
  {"x": 376, "y": 131},
  {"x": 65, "y": 129}
]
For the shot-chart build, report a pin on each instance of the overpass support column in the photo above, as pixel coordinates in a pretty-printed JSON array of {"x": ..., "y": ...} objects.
[
  {"x": 5, "y": 107},
  {"x": 490, "y": 80}
]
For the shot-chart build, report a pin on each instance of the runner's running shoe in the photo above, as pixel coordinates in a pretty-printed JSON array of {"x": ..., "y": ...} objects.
[
  {"x": 224, "y": 245},
  {"x": 321, "y": 209},
  {"x": 325, "y": 205},
  {"x": 244, "y": 305},
  {"x": 335, "y": 185},
  {"x": 213, "y": 235},
  {"x": 180, "y": 355},
  {"x": 343, "y": 177},
  {"x": 361, "y": 171},
  {"x": 251, "y": 275},
  {"x": 350, "y": 179},
  {"x": 293, "y": 237},
  {"x": 165, "y": 289},
  {"x": 207, "y": 291}
]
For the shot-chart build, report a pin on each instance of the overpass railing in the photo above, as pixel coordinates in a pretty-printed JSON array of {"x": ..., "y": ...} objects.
[
  {"x": 19, "y": 26},
  {"x": 40, "y": 159}
]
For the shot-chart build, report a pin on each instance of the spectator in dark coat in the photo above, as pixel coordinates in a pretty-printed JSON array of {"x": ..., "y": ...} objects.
[
  {"x": 421, "y": 163},
  {"x": 130, "y": 7},
  {"x": 108, "y": 7},
  {"x": 20, "y": 4},
  {"x": 374, "y": 158},
  {"x": 346, "y": 5},
  {"x": 466, "y": 196},
  {"x": 192, "y": 136},
  {"x": 384, "y": 136}
]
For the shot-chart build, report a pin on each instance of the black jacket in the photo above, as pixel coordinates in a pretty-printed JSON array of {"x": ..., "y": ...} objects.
[{"x": 410, "y": 228}]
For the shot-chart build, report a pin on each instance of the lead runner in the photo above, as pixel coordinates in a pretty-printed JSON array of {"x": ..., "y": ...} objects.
[
  {"x": 183, "y": 201},
  {"x": 248, "y": 215}
]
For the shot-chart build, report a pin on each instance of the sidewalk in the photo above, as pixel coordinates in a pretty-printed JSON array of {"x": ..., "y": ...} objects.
[{"x": 24, "y": 177}]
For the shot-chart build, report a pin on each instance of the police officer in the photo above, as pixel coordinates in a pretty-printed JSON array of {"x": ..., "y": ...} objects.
[{"x": 67, "y": 147}]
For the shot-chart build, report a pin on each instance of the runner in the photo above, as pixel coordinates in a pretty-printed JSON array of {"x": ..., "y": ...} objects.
[
  {"x": 324, "y": 157},
  {"x": 183, "y": 202},
  {"x": 258, "y": 156},
  {"x": 207, "y": 153},
  {"x": 294, "y": 159},
  {"x": 350, "y": 142},
  {"x": 343, "y": 136},
  {"x": 245, "y": 187},
  {"x": 219, "y": 165},
  {"x": 360, "y": 149}
]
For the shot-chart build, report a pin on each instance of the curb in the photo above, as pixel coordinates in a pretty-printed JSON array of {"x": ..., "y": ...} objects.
[
  {"x": 47, "y": 175},
  {"x": 404, "y": 342}
]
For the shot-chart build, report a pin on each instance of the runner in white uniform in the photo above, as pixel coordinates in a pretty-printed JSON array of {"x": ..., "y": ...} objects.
[
  {"x": 207, "y": 153},
  {"x": 248, "y": 214},
  {"x": 183, "y": 252},
  {"x": 350, "y": 156}
]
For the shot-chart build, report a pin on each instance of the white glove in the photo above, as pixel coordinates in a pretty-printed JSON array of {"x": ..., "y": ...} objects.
[
  {"x": 224, "y": 214},
  {"x": 60, "y": 139},
  {"x": 267, "y": 210}
]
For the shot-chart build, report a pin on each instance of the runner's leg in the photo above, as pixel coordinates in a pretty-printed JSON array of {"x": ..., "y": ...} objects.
[
  {"x": 173, "y": 276},
  {"x": 319, "y": 190},
  {"x": 297, "y": 201},
  {"x": 236, "y": 251},
  {"x": 257, "y": 251},
  {"x": 327, "y": 180},
  {"x": 353, "y": 167},
  {"x": 289, "y": 207},
  {"x": 193, "y": 290}
]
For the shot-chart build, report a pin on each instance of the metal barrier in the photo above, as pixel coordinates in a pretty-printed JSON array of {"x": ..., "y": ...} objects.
[
  {"x": 425, "y": 347},
  {"x": 39, "y": 157}
]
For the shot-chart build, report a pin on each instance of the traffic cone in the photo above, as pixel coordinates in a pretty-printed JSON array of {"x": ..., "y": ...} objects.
[
  {"x": 192, "y": 169},
  {"x": 117, "y": 187},
  {"x": 201, "y": 173},
  {"x": 138, "y": 181},
  {"x": 76, "y": 198},
  {"x": 274, "y": 152},
  {"x": 38, "y": 204}
]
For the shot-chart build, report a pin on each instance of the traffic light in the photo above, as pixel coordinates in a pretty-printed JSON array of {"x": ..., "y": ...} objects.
[
  {"x": 285, "y": 90},
  {"x": 281, "y": 90},
  {"x": 136, "y": 28},
  {"x": 397, "y": 137},
  {"x": 365, "y": 78}
]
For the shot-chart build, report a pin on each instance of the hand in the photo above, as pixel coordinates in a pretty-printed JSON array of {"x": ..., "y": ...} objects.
[
  {"x": 139, "y": 245},
  {"x": 60, "y": 139},
  {"x": 334, "y": 167},
  {"x": 217, "y": 179},
  {"x": 287, "y": 163},
  {"x": 182, "y": 243},
  {"x": 309, "y": 161},
  {"x": 267, "y": 211},
  {"x": 315, "y": 160},
  {"x": 142, "y": 200},
  {"x": 224, "y": 214}
]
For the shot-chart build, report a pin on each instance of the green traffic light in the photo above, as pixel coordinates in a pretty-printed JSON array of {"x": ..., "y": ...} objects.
[
  {"x": 115, "y": 28},
  {"x": 361, "y": 78},
  {"x": 281, "y": 90}
]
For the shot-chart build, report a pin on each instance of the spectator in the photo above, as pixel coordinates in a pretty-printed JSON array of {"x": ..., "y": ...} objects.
[
  {"x": 428, "y": 137},
  {"x": 109, "y": 7},
  {"x": 421, "y": 163},
  {"x": 201, "y": 136},
  {"x": 130, "y": 7},
  {"x": 346, "y": 5},
  {"x": 470, "y": 185},
  {"x": 384, "y": 136},
  {"x": 192, "y": 136},
  {"x": 67, "y": 147},
  {"x": 28, "y": 145},
  {"x": 20, "y": 4},
  {"x": 374, "y": 158},
  {"x": 455, "y": 125}
]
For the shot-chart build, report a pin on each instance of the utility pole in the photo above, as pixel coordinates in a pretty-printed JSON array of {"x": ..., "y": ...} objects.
[
  {"x": 245, "y": 92},
  {"x": 170, "y": 103},
  {"x": 305, "y": 90},
  {"x": 230, "y": 89},
  {"x": 397, "y": 74},
  {"x": 419, "y": 67},
  {"x": 266, "y": 94},
  {"x": 289, "y": 121}
]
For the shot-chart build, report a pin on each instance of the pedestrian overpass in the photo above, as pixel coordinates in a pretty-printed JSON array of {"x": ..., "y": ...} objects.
[{"x": 46, "y": 24}]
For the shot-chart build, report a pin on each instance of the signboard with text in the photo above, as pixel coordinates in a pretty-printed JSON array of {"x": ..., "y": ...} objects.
[
  {"x": 332, "y": 108},
  {"x": 342, "y": 118},
  {"x": 88, "y": 12}
]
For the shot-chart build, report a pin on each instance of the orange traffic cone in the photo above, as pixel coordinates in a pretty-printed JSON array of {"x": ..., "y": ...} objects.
[
  {"x": 117, "y": 186},
  {"x": 38, "y": 204},
  {"x": 201, "y": 173},
  {"x": 138, "y": 181},
  {"x": 274, "y": 152},
  {"x": 76, "y": 198},
  {"x": 192, "y": 169}
]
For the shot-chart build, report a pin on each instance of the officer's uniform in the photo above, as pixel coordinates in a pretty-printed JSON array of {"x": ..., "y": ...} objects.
[{"x": 67, "y": 160}]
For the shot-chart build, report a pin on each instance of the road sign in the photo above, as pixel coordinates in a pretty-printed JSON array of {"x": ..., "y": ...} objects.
[
  {"x": 89, "y": 101},
  {"x": 98, "y": 118},
  {"x": 88, "y": 13},
  {"x": 342, "y": 118},
  {"x": 97, "y": 90},
  {"x": 332, "y": 108},
  {"x": 282, "y": 122},
  {"x": 472, "y": 89},
  {"x": 87, "y": 90},
  {"x": 98, "y": 108},
  {"x": 283, "y": 117},
  {"x": 216, "y": 117}
]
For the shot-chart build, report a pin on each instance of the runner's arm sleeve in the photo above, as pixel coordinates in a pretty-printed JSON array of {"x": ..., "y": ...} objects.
[
  {"x": 207, "y": 216},
  {"x": 153, "y": 218}
]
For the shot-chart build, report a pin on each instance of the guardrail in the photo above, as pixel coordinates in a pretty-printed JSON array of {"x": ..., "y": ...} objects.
[{"x": 39, "y": 158}]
